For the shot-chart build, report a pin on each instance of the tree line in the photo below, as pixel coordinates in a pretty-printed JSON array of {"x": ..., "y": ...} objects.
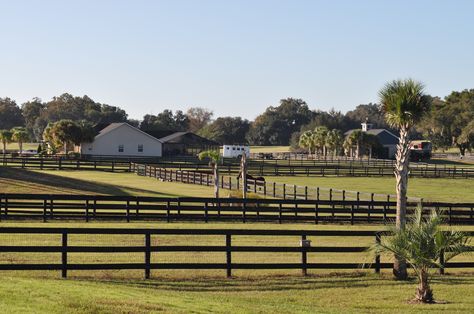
[{"x": 449, "y": 122}]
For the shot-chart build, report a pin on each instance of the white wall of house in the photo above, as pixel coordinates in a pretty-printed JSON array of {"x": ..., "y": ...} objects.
[{"x": 124, "y": 140}]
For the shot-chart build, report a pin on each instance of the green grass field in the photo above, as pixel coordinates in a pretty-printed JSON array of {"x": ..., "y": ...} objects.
[
  {"x": 328, "y": 294},
  {"x": 269, "y": 149},
  {"x": 260, "y": 291},
  {"x": 203, "y": 291},
  {"x": 26, "y": 146},
  {"x": 92, "y": 182},
  {"x": 448, "y": 190}
]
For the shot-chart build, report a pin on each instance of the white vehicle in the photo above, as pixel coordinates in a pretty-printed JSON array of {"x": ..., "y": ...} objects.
[{"x": 234, "y": 151}]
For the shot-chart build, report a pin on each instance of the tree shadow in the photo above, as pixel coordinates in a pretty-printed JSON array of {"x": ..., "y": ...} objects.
[{"x": 68, "y": 184}]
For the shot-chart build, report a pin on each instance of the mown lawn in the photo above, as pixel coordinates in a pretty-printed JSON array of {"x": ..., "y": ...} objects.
[
  {"x": 438, "y": 189},
  {"x": 329, "y": 294},
  {"x": 14, "y": 180}
]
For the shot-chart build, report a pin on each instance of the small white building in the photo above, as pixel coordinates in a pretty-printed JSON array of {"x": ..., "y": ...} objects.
[
  {"x": 233, "y": 151},
  {"x": 122, "y": 139}
]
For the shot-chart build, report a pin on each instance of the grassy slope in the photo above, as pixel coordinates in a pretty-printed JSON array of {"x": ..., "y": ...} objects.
[
  {"x": 92, "y": 182},
  {"x": 450, "y": 190}
]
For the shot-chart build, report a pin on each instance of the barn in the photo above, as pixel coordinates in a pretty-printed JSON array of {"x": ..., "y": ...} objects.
[
  {"x": 186, "y": 143},
  {"x": 387, "y": 139},
  {"x": 123, "y": 140}
]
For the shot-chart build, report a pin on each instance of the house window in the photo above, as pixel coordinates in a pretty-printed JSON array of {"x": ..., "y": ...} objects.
[
  {"x": 120, "y": 148},
  {"x": 140, "y": 148}
]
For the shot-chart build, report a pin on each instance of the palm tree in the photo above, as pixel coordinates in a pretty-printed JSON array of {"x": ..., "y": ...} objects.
[
  {"x": 424, "y": 246},
  {"x": 320, "y": 134},
  {"x": 214, "y": 159},
  {"x": 355, "y": 139},
  {"x": 307, "y": 141},
  {"x": 404, "y": 103},
  {"x": 20, "y": 135},
  {"x": 5, "y": 137},
  {"x": 334, "y": 140}
]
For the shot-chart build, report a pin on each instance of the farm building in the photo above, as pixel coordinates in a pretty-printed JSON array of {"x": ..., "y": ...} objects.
[
  {"x": 387, "y": 139},
  {"x": 123, "y": 140},
  {"x": 186, "y": 143}
]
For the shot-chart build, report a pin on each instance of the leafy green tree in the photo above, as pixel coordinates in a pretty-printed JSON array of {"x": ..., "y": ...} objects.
[
  {"x": 31, "y": 110},
  {"x": 355, "y": 139},
  {"x": 20, "y": 135},
  {"x": 421, "y": 244},
  {"x": 64, "y": 133},
  {"x": 165, "y": 121},
  {"x": 307, "y": 141},
  {"x": 404, "y": 103},
  {"x": 10, "y": 114},
  {"x": 276, "y": 125},
  {"x": 5, "y": 137},
  {"x": 214, "y": 160},
  {"x": 226, "y": 130},
  {"x": 198, "y": 118}
]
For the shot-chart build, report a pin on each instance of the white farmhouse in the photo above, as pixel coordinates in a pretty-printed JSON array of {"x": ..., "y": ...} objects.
[{"x": 122, "y": 139}]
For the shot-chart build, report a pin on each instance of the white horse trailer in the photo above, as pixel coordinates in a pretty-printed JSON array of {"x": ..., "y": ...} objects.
[{"x": 234, "y": 151}]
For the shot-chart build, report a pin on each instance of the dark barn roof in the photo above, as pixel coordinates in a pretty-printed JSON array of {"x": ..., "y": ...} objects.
[
  {"x": 385, "y": 137},
  {"x": 188, "y": 138}
]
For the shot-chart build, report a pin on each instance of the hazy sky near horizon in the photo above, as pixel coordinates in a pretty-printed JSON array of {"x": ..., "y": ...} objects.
[{"x": 234, "y": 57}]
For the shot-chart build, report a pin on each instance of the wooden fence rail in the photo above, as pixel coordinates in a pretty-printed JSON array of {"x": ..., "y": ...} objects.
[
  {"x": 149, "y": 251},
  {"x": 262, "y": 168},
  {"x": 265, "y": 188},
  {"x": 136, "y": 208}
]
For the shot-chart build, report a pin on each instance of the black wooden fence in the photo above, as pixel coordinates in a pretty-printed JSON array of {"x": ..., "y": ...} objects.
[
  {"x": 138, "y": 208},
  {"x": 304, "y": 248},
  {"x": 263, "y": 168}
]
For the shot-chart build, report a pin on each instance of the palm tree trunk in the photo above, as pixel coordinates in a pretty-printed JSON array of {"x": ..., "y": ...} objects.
[
  {"x": 4, "y": 147},
  {"x": 423, "y": 291},
  {"x": 20, "y": 145},
  {"x": 216, "y": 181},
  {"x": 401, "y": 176}
]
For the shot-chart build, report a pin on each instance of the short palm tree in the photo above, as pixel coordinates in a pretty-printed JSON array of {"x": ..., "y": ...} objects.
[
  {"x": 307, "y": 141},
  {"x": 404, "y": 103},
  {"x": 214, "y": 159},
  {"x": 424, "y": 246},
  {"x": 355, "y": 139},
  {"x": 20, "y": 135},
  {"x": 5, "y": 137}
]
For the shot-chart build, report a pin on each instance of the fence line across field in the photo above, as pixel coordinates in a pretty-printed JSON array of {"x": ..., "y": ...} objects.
[
  {"x": 149, "y": 251},
  {"x": 271, "y": 189},
  {"x": 315, "y": 168},
  {"x": 139, "y": 208}
]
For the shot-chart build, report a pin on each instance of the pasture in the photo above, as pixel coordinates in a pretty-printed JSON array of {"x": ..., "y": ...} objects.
[{"x": 202, "y": 291}]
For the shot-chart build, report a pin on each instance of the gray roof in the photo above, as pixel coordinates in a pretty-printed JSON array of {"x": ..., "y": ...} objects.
[
  {"x": 172, "y": 136},
  {"x": 116, "y": 125},
  {"x": 385, "y": 136}
]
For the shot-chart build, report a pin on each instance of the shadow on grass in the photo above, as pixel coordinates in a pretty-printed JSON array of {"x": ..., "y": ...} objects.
[
  {"x": 61, "y": 183},
  {"x": 279, "y": 283}
]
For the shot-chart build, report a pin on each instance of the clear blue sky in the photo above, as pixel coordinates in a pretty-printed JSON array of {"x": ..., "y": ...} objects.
[{"x": 235, "y": 57}]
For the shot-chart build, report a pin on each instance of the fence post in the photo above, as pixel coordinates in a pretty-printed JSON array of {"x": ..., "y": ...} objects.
[
  {"x": 64, "y": 255},
  {"x": 441, "y": 262},
  {"x": 377, "y": 257},
  {"x": 228, "y": 252},
  {"x": 86, "y": 205},
  {"x": 304, "y": 256},
  {"x": 147, "y": 255},
  {"x": 127, "y": 208},
  {"x": 45, "y": 204},
  {"x": 274, "y": 189},
  {"x": 284, "y": 191}
]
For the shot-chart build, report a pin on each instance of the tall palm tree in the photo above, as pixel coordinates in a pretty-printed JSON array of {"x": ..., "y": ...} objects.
[
  {"x": 404, "y": 103},
  {"x": 307, "y": 141},
  {"x": 20, "y": 135},
  {"x": 425, "y": 246},
  {"x": 334, "y": 140},
  {"x": 320, "y": 134},
  {"x": 5, "y": 137},
  {"x": 355, "y": 139},
  {"x": 214, "y": 159}
]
